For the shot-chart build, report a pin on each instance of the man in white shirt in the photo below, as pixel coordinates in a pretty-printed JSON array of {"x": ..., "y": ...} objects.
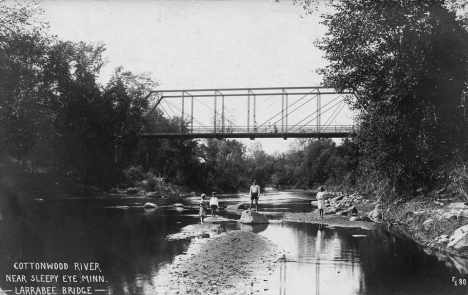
[{"x": 254, "y": 194}]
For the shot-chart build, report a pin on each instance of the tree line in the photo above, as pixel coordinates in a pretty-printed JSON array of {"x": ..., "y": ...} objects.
[{"x": 407, "y": 61}]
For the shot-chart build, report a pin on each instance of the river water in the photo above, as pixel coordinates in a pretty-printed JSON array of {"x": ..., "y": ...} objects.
[{"x": 118, "y": 246}]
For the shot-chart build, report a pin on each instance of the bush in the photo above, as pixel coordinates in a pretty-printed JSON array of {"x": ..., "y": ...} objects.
[
  {"x": 151, "y": 182},
  {"x": 133, "y": 176},
  {"x": 458, "y": 182}
]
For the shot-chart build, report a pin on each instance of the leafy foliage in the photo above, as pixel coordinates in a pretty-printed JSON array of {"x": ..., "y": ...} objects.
[
  {"x": 408, "y": 62},
  {"x": 55, "y": 117},
  {"x": 223, "y": 164}
]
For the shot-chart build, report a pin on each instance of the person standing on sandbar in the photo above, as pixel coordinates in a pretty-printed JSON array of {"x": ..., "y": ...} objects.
[
  {"x": 213, "y": 204},
  {"x": 254, "y": 194}
]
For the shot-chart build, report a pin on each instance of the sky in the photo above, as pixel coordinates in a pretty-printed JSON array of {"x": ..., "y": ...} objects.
[{"x": 201, "y": 44}]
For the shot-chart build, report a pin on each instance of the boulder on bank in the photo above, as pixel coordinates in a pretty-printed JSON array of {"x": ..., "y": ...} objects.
[
  {"x": 453, "y": 214},
  {"x": 235, "y": 207},
  {"x": 376, "y": 214},
  {"x": 355, "y": 218},
  {"x": 443, "y": 239},
  {"x": 462, "y": 213},
  {"x": 458, "y": 206},
  {"x": 448, "y": 215},
  {"x": 336, "y": 199},
  {"x": 459, "y": 239},
  {"x": 314, "y": 203},
  {"x": 428, "y": 224},
  {"x": 251, "y": 217}
]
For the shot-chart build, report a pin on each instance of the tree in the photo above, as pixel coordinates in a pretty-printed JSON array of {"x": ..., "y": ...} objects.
[
  {"x": 23, "y": 53},
  {"x": 408, "y": 63},
  {"x": 223, "y": 164},
  {"x": 260, "y": 165},
  {"x": 126, "y": 93}
]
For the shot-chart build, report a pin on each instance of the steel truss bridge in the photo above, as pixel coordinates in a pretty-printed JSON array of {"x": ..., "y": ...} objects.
[{"x": 281, "y": 112}]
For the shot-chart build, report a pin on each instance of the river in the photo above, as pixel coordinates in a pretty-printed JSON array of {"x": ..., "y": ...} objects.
[{"x": 114, "y": 246}]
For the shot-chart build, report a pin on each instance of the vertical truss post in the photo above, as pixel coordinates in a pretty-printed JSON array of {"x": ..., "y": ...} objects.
[
  {"x": 254, "y": 110},
  {"x": 283, "y": 94},
  {"x": 248, "y": 112},
  {"x": 182, "y": 118},
  {"x": 222, "y": 111},
  {"x": 214, "y": 115},
  {"x": 319, "y": 110},
  {"x": 222, "y": 116},
  {"x": 287, "y": 109},
  {"x": 191, "y": 117}
]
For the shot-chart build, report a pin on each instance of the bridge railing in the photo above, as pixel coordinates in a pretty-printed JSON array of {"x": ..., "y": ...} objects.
[{"x": 272, "y": 129}]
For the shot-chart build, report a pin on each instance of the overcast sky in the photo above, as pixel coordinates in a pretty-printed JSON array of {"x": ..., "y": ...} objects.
[{"x": 200, "y": 44}]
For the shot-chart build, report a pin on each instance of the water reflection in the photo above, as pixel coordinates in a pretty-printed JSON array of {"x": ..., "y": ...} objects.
[
  {"x": 130, "y": 244},
  {"x": 255, "y": 228},
  {"x": 321, "y": 260}
]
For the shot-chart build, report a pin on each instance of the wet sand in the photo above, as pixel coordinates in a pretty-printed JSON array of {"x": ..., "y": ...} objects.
[{"x": 236, "y": 262}]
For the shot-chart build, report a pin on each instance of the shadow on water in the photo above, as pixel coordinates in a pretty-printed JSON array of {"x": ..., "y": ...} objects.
[{"x": 129, "y": 243}]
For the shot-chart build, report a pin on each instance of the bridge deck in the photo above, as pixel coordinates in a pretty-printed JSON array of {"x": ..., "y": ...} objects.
[{"x": 310, "y": 131}]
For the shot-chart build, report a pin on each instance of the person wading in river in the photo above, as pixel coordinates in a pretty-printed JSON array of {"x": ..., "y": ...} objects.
[
  {"x": 254, "y": 194},
  {"x": 321, "y": 200},
  {"x": 214, "y": 204},
  {"x": 202, "y": 212}
]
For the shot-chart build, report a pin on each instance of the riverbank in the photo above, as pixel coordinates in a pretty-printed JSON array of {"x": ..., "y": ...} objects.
[
  {"x": 236, "y": 262},
  {"x": 431, "y": 224}
]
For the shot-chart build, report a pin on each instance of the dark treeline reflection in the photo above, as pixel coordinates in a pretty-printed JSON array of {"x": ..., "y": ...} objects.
[
  {"x": 356, "y": 261},
  {"x": 129, "y": 244}
]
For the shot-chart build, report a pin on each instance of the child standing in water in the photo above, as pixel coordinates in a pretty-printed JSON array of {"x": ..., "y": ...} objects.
[
  {"x": 213, "y": 204},
  {"x": 321, "y": 200},
  {"x": 202, "y": 212}
]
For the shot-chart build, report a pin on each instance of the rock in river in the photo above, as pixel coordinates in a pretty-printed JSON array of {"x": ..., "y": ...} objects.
[
  {"x": 150, "y": 205},
  {"x": 251, "y": 217}
]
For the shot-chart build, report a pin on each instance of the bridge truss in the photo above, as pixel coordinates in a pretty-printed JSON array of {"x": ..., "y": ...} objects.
[{"x": 282, "y": 112}]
